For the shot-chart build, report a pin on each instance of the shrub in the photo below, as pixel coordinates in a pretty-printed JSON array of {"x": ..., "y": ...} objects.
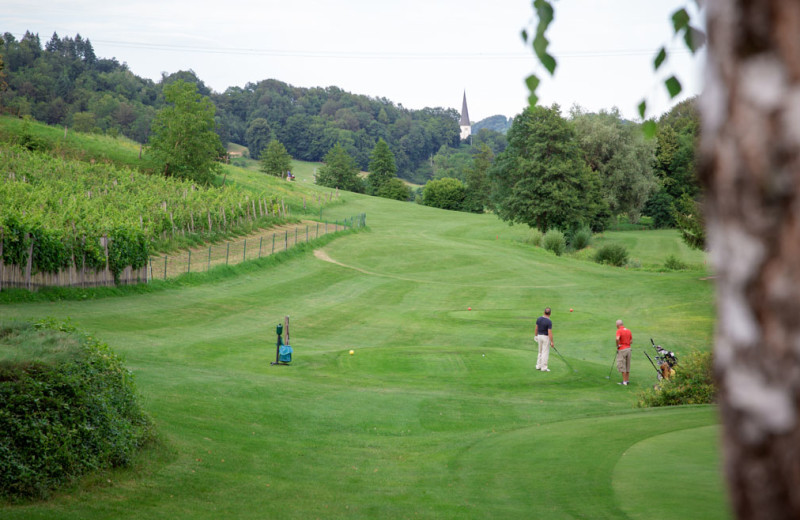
[
  {"x": 554, "y": 241},
  {"x": 581, "y": 238},
  {"x": 612, "y": 254},
  {"x": 394, "y": 189},
  {"x": 534, "y": 237},
  {"x": 446, "y": 193},
  {"x": 673, "y": 264},
  {"x": 67, "y": 406},
  {"x": 692, "y": 384}
]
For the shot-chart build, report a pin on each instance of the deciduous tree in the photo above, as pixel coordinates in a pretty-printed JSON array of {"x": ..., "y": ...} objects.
[
  {"x": 541, "y": 180},
  {"x": 183, "y": 142},
  {"x": 618, "y": 151},
  {"x": 276, "y": 161},
  {"x": 257, "y": 135}
]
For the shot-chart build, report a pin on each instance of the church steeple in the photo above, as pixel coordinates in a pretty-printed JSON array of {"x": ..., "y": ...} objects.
[{"x": 466, "y": 127}]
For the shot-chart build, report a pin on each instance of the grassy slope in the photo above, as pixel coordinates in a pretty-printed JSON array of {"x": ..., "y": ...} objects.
[{"x": 439, "y": 414}]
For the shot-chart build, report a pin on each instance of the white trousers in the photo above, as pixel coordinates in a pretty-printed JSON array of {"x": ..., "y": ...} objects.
[{"x": 544, "y": 351}]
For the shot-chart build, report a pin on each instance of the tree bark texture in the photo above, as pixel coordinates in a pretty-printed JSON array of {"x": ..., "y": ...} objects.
[{"x": 750, "y": 168}]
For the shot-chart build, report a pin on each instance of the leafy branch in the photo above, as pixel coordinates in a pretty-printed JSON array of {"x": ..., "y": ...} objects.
[{"x": 693, "y": 37}]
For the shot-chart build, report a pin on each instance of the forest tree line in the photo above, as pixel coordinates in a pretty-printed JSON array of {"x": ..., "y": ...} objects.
[{"x": 63, "y": 82}]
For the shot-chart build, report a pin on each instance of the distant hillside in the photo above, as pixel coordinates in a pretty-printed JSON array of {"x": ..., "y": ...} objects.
[
  {"x": 498, "y": 123},
  {"x": 65, "y": 83}
]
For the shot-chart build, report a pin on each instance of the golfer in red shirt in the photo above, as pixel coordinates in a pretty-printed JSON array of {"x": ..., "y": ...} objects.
[{"x": 624, "y": 338}]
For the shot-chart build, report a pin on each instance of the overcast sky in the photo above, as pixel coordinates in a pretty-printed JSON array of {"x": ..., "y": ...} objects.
[{"x": 416, "y": 53}]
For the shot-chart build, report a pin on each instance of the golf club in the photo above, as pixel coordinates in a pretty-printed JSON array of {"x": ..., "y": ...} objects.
[
  {"x": 562, "y": 358},
  {"x": 613, "y": 362}
]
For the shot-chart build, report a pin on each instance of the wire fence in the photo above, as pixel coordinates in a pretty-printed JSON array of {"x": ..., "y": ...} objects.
[{"x": 231, "y": 253}]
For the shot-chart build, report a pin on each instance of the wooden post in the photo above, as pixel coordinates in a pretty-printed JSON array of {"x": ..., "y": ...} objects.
[
  {"x": 286, "y": 330},
  {"x": 29, "y": 266},
  {"x": 260, "y": 242},
  {"x": 104, "y": 242},
  {"x": 208, "y": 265},
  {"x": 244, "y": 251},
  {"x": 189, "y": 263}
]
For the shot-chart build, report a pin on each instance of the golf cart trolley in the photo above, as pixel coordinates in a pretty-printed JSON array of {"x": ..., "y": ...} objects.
[
  {"x": 283, "y": 352},
  {"x": 664, "y": 361}
]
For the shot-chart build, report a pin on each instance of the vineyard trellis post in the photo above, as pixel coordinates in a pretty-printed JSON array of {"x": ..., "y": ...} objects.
[
  {"x": 189, "y": 263},
  {"x": 260, "y": 242},
  {"x": 244, "y": 251},
  {"x": 208, "y": 265},
  {"x": 227, "y": 252},
  {"x": 29, "y": 266}
]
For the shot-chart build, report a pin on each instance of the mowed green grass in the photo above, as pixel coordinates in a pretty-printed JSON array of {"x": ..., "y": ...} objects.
[{"x": 438, "y": 414}]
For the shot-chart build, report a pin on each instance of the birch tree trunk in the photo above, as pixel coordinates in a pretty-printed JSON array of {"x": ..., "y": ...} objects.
[{"x": 750, "y": 168}]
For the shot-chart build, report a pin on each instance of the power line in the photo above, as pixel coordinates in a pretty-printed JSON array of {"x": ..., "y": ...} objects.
[{"x": 379, "y": 55}]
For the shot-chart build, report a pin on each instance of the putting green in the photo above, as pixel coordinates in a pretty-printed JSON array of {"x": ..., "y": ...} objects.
[
  {"x": 567, "y": 469},
  {"x": 673, "y": 476}
]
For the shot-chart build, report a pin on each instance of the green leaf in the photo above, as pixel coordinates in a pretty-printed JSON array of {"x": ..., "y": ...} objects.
[
  {"x": 524, "y": 35},
  {"x": 642, "y": 108},
  {"x": 660, "y": 57},
  {"x": 549, "y": 63},
  {"x": 544, "y": 11},
  {"x": 694, "y": 38},
  {"x": 680, "y": 20},
  {"x": 533, "y": 82},
  {"x": 673, "y": 86},
  {"x": 649, "y": 128},
  {"x": 540, "y": 44}
]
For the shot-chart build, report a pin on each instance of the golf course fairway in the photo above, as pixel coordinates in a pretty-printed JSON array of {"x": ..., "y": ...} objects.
[{"x": 438, "y": 413}]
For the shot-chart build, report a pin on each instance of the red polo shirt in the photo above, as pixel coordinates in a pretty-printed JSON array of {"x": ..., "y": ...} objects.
[{"x": 624, "y": 338}]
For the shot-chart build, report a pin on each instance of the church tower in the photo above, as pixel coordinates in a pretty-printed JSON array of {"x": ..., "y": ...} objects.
[{"x": 466, "y": 127}]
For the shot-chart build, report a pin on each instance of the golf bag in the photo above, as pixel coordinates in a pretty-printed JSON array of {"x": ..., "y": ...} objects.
[
  {"x": 285, "y": 354},
  {"x": 665, "y": 361}
]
